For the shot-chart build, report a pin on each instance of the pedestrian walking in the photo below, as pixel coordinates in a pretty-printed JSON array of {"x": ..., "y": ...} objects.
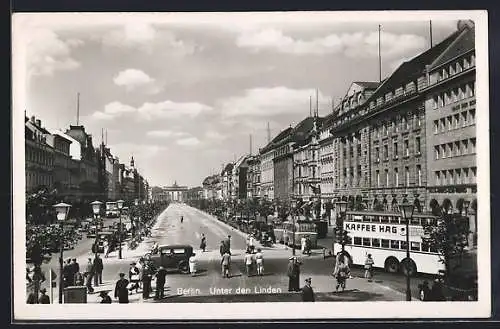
[
  {"x": 303, "y": 245},
  {"x": 98, "y": 268},
  {"x": 425, "y": 291},
  {"x": 296, "y": 277},
  {"x": 147, "y": 276},
  {"x": 307, "y": 292},
  {"x": 121, "y": 291},
  {"x": 369, "y": 267},
  {"x": 226, "y": 265},
  {"x": 251, "y": 243},
  {"x": 228, "y": 244},
  {"x": 203, "y": 244},
  {"x": 68, "y": 274},
  {"x": 341, "y": 273},
  {"x": 161, "y": 275},
  {"x": 105, "y": 245},
  {"x": 248, "y": 262},
  {"x": 293, "y": 273},
  {"x": 134, "y": 278},
  {"x": 89, "y": 274},
  {"x": 192, "y": 264},
  {"x": 32, "y": 298},
  {"x": 436, "y": 293},
  {"x": 222, "y": 248},
  {"x": 75, "y": 266},
  {"x": 105, "y": 299},
  {"x": 44, "y": 299},
  {"x": 308, "y": 245},
  {"x": 259, "y": 261}
]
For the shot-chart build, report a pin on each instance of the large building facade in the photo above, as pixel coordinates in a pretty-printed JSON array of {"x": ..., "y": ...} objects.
[
  {"x": 39, "y": 155},
  {"x": 450, "y": 109}
]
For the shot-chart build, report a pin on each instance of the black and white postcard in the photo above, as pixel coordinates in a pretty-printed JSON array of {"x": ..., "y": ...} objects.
[{"x": 280, "y": 165}]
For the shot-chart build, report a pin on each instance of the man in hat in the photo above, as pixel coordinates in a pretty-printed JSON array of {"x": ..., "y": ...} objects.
[
  {"x": 121, "y": 291},
  {"x": 161, "y": 275},
  {"x": 89, "y": 274},
  {"x": 98, "y": 268},
  {"x": 105, "y": 297},
  {"x": 68, "y": 274},
  {"x": 307, "y": 292},
  {"x": 290, "y": 273},
  {"x": 44, "y": 299}
]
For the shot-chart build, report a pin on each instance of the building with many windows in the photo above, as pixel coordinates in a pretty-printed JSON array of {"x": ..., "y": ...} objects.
[
  {"x": 39, "y": 155},
  {"x": 379, "y": 138},
  {"x": 253, "y": 177},
  {"x": 450, "y": 109}
]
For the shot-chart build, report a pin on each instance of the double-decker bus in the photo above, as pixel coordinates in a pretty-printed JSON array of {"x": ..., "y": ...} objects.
[
  {"x": 383, "y": 235},
  {"x": 112, "y": 209},
  {"x": 284, "y": 232}
]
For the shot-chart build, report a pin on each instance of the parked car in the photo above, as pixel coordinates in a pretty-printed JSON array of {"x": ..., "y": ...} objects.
[
  {"x": 172, "y": 257},
  {"x": 103, "y": 236}
]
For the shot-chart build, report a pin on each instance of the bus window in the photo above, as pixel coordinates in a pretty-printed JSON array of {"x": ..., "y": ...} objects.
[
  {"x": 366, "y": 242},
  {"x": 376, "y": 243},
  {"x": 357, "y": 241},
  {"x": 385, "y": 243},
  {"x": 349, "y": 240},
  {"x": 367, "y": 219},
  {"x": 394, "y": 220},
  {"x": 433, "y": 222},
  {"x": 415, "y": 246},
  {"x": 394, "y": 244},
  {"x": 432, "y": 249},
  {"x": 403, "y": 245},
  {"x": 384, "y": 219},
  {"x": 415, "y": 221}
]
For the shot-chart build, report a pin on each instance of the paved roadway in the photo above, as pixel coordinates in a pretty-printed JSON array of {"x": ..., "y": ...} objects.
[{"x": 209, "y": 283}]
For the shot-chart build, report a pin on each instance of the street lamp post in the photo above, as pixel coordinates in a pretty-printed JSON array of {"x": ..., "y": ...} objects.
[
  {"x": 407, "y": 214},
  {"x": 96, "y": 209},
  {"x": 293, "y": 204},
  {"x": 466, "y": 214},
  {"x": 62, "y": 210},
  {"x": 119, "y": 204},
  {"x": 342, "y": 208}
]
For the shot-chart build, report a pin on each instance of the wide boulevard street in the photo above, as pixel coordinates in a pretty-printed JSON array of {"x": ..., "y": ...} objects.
[{"x": 209, "y": 286}]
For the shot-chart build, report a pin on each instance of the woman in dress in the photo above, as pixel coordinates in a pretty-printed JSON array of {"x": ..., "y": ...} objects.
[{"x": 192, "y": 264}]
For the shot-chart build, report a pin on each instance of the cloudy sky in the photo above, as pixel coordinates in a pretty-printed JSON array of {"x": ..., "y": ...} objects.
[{"x": 182, "y": 93}]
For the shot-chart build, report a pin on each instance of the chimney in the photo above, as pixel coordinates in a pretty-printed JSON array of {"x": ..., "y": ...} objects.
[
  {"x": 33, "y": 120},
  {"x": 38, "y": 123}
]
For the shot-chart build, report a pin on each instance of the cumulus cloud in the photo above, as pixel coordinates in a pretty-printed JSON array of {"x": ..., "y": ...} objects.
[
  {"x": 189, "y": 141},
  {"x": 113, "y": 110},
  {"x": 166, "y": 133},
  {"x": 144, "y": 36},
  {"x": 358, "y": 44},
  {"x": 169, "y": 109},
  {"x": 267, "y": 102},
  {"x": 48, "y": 53},
  {"x": 134, "y": 79},
  {"x": 148, "y": 111}
]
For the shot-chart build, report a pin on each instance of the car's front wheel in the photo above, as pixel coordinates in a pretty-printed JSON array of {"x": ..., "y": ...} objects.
[{"x": 183, "y": 267}]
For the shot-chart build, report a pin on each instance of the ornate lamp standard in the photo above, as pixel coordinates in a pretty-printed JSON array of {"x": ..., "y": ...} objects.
[
  {"x": 62, "y": 210},
  {"x": 119, "y": 204},
  {"x": 96, "y": 209},
  {"x": 407, "y": 214},
  {"x": 342, "y": 208}
]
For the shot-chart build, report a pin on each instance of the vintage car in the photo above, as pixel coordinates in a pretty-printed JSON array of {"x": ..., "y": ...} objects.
[
  {"x": 92, "y": 231},
  {"x": 103, "y": 236},
  {"x": 172, "y": 257}
]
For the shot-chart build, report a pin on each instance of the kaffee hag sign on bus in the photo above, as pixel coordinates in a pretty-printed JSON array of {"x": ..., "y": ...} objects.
[{"x": 389, "y": 231}]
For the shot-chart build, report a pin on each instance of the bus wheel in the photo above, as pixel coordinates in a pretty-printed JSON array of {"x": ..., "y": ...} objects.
[
  {"x": 408, "y": 266},
  {"x": 391, "y": 265}
]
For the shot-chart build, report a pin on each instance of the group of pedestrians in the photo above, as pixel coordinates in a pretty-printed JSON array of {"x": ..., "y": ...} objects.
[
  {"x": 140, "y": 277},
  {"x": 93, "y": 272},
  {"x": 254, "y": 262}
]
